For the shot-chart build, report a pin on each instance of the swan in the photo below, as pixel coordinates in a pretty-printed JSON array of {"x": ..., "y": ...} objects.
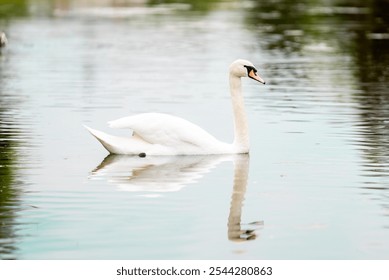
[
  {"x": 3, "y": 39},
  {"x": 163, "y": 134}
]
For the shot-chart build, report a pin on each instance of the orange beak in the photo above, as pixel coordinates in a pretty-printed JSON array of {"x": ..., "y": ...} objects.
[{"x": 253, "y": 75}]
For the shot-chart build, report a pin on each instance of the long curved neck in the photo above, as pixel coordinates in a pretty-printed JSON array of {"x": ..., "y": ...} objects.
[{"x": 241, "y": 138}]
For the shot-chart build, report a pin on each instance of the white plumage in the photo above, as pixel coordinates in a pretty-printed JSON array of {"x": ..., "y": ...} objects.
[
  {"x": 163, "y": 134},
  {"x": 3, "y": 39}
]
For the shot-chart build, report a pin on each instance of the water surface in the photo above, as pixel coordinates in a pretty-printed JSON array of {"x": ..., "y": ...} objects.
[{"x": 315, "y": 185}]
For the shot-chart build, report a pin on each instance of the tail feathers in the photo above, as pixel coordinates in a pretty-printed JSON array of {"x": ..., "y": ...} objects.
[{"x": 115, "y": 144}]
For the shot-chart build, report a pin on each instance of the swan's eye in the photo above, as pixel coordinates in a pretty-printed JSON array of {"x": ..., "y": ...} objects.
[{"x": 249, "y": 68}]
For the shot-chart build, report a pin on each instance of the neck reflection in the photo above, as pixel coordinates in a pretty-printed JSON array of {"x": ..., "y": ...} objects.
[{"x": 235, "y": 230}]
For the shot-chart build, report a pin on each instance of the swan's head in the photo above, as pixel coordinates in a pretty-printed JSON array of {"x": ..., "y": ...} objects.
[{"x": 244, "y": 68}]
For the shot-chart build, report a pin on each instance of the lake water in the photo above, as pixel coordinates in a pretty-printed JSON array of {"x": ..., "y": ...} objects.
[{"x": 316, "y": 183}]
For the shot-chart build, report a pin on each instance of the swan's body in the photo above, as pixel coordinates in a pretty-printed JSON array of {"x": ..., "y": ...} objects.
[{"x": 163, "y": 134}]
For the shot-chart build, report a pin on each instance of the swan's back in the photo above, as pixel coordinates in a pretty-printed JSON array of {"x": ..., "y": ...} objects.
[{"x": 171, "y": 131}]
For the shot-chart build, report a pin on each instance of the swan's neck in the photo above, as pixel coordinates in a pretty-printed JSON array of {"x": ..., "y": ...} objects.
[{"x": 241, "y": 138}]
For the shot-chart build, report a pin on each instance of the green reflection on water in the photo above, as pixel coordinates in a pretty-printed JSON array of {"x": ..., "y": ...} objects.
[
  {"x": 355, "y": 34},
  {"x": 13, "y": 8},
  {"x": 9, "y": 194},
  {"x": 9, "y": 190},
  {"x": 196, "y": 5}
]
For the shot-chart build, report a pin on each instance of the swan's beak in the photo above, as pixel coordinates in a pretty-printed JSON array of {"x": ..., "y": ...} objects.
[{"x": 253, "y": 75}]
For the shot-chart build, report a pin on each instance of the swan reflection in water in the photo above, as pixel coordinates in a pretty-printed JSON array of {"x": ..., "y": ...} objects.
[{"x": 154, "y": 175}]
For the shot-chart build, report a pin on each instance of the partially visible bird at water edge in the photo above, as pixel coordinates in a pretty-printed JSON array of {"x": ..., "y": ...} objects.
[{"x": 3, "y": 39}]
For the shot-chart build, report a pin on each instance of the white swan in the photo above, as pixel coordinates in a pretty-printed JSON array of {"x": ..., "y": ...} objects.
[
  {"x": 3, "y": 39},
  {"x": 162, "y": 134}
]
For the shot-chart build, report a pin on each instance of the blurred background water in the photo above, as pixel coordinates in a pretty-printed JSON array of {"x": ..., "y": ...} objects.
[{"x": 316, "y": 184}]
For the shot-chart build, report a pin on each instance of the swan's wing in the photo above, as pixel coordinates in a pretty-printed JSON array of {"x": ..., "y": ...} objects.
[{"x": 165, "y": 129}]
